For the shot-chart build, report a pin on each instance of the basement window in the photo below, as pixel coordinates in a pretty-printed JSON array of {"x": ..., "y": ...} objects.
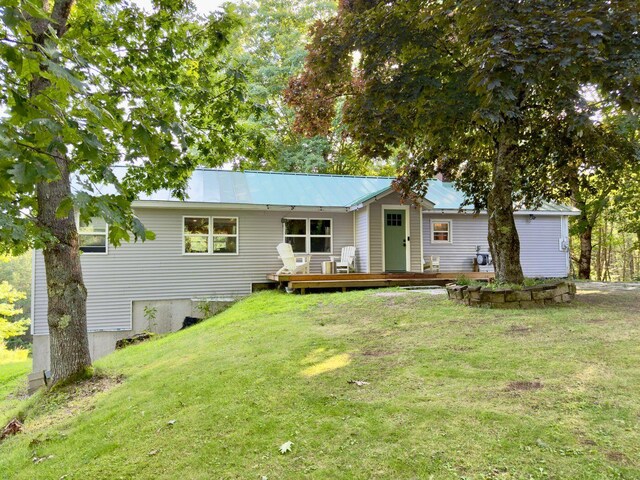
[
  {"x": 93, "y": 235},
  {"x": 441, "y": 231}
]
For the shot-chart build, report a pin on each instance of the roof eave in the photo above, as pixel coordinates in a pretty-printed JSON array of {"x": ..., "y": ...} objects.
[
  {"x": 236, "y": 206},
  {"x": 557, "y": 213},
  {"x": 374, "y": 197}
]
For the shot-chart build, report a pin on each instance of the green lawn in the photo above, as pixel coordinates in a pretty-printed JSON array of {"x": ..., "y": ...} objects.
[
  {"x": 453, "y": 393},
  {"x": 14, "y": 368}
]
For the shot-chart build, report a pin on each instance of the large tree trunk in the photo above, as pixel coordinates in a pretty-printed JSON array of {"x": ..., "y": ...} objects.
[
  {"x": 504, "y": 242},
  {"x": 66, "y": 292},
  {"x": 67, "y": 295},
  {"x": 584, "y": 264}
]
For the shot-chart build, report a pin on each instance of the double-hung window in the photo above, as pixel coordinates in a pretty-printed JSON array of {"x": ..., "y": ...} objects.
[
  {"x": 309, "y": 235},
  {"x": 225, "y": 235},
  {"x": 196, "y": 235},
  {"x": 210, "y": 235},
  {"x": 320, "y": 235},
  {"x": 92, "y": 235},
  {"x": 441, "y": 231},
  {"x": 295, "y": 233}
]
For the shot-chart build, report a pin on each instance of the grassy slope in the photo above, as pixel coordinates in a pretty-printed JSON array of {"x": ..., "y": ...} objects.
[
  {"x": 276, "y": 368},
  {"x": 14, "y": 367}
]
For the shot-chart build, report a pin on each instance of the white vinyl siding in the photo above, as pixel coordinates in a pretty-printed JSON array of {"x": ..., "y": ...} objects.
[
  {"x": 155, "y": 270},
  {"x": 539, "y": 251},
  {"x": 362, "y": 240}
]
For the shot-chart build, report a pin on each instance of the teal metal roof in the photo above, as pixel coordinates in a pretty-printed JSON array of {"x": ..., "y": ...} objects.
[
  {"x": 305, "y": 190},
  {"x": 268, "y": 188},
  {"x": 446, "y": 197}
]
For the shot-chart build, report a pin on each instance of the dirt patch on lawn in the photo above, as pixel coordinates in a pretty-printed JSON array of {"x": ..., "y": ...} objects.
[
  {"x": 618, "y": 457},
  {"x": 61, "y": 403},
  {"x": 519, "y": 330},
  {"x": 522, "y": 385},
  {"x": 376, "y": 353}
]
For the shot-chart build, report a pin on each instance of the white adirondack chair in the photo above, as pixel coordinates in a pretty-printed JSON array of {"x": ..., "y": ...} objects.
[
  {"x": 432, "y": 264},
  {"x": 347, "y": 260},
  {"x": 292, "y": 265}
]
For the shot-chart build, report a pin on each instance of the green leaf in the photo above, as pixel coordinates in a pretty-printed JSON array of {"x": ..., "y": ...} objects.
[
  {"x": 60, "y": 72},
  {"x": 65, "y": 208}
]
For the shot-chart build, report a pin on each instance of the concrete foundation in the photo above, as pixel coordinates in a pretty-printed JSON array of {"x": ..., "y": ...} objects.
[{"x": 161, "y": 316}]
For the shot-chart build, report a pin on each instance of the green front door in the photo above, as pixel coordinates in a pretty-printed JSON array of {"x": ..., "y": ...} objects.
[{"x": 395, "y": 241}]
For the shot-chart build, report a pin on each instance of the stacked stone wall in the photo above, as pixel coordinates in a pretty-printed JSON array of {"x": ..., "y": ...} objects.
[{"x": 527, "y": 297}]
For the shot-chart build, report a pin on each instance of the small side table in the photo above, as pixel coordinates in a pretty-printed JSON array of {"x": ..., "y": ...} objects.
[{"x": 328, "y": 267}]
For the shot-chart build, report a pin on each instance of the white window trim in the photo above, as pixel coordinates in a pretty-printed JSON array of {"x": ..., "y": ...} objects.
[
  {"x": 185, "y": 235},
  {"x": 210, "y": 236},
  {"x": 307, "y": 235},
  {"x": 106, "y": 237},
  {"x": 226, "y": 235},
  {"x": 444, "y": 220},
  {"x": 330, "y": 236}
]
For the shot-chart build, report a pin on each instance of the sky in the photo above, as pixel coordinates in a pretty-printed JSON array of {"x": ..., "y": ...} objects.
[{"x": 204, "y": 6}]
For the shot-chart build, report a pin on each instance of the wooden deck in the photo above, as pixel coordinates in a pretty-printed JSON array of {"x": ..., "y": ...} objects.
[{"x": 371, "y": 280}]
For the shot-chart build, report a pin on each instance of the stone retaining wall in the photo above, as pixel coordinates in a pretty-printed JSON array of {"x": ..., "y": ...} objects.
[{"x": 528, "y": 297}]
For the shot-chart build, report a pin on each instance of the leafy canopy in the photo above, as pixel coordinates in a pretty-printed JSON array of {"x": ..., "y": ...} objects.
[
  {"x": 454, "y": 85},
  {"x": 270, "y": 46},
  {"x": 146, "y": 90},
  {"x": 9, "y": 325}
]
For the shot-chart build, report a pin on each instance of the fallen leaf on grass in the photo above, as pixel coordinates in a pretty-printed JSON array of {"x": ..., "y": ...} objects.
[
  {"x": 360, "y": 383},
  {"x": 170, "y": 423},
  {"x": 286, "y": 447},
  {"x": 13, "y": 427},
  {"x": 37, "y": 459}
]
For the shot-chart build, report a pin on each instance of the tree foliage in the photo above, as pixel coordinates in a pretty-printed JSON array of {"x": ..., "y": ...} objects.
[
  {"x": 124, "y": 87},
  {"x": 270, "y": 47},
  {"x": 10, "y": 326},
  {"x": 592, "y": 154},
  {"x": 464, "y": 86},
  {"x": 17, "y": 272},
  {"x": 88, "y": 85}
]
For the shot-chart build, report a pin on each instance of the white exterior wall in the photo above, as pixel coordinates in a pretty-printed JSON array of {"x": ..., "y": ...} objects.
[
  {"x": 540, "y": 251},
  {"x": 361, "y": 225},
  {"x": 157, "y": 270},
  {"x": 376, "y": 233}
]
